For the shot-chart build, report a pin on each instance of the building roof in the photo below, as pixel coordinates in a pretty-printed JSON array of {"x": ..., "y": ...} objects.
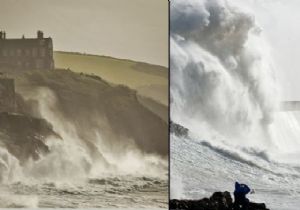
[{"x": 24, "y": 42}]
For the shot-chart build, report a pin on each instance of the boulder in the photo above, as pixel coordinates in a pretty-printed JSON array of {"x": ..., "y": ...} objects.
[
  {"x": 24, "y": 136},
  {"x": 218, "y": 201},
  {"x": 178, "y": 130}
]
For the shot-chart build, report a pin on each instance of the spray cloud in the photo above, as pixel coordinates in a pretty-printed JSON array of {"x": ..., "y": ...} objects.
[{"x": 221, "y": 71}]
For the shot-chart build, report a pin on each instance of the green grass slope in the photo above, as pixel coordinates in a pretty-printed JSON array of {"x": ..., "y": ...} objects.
[{"x": 149, "y": 80}]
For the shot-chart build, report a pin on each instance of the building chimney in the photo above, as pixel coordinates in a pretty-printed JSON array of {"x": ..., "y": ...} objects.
[
  {"x": 40, "y": 35},
  {"x": 2, "y": 35}
]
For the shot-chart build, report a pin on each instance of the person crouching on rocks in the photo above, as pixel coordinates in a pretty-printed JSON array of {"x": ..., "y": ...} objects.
[{"x": 240, "y": 200}]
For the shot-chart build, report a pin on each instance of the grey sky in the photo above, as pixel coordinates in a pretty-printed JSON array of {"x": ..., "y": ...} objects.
[
  {"x": 134, "y": 29},
  {"x": 280, "y": 22}
]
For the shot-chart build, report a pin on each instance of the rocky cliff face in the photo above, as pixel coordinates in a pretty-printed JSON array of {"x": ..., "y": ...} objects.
[
  {"x": 178, "y": 130},
  {"x": 61, "y": 101},
  {"x": 24, "y": 136},
  {"x": 7, "y": 95}
]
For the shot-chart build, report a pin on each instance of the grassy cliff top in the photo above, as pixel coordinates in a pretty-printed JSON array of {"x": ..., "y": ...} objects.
[{"x": 149, "y": 80}]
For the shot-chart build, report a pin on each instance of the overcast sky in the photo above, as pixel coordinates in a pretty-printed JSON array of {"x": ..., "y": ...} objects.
[
  {"x": 134, "y": 29},
  {"x": 280, "y": 22}
]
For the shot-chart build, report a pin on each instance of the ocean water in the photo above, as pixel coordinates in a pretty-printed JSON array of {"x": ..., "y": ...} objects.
[
  {"x": 224, "y": 89},
  {"x": 110, "y": 192},
  {"x": 200, "y": 168}
]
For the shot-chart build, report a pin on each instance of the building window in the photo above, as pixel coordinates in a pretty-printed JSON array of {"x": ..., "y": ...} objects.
[
  {"x": 34, "y": 52},
  {"x": 19, "y": 52},
  {"x": 50, "y": 45},
  {"x": 19, "y": 63},
  {"x": 4, "y": 53},
  {"x": 42, "y": 52},
  {"x": 41, "y": 42},
  {"x": 39, "y": 64},
  {"x": 27, "y": 52},
  {"x": 27, "y": 64},
  {"x": 12, "y": 52}
]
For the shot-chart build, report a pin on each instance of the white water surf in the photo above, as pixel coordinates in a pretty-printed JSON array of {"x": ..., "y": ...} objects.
[{"x": 224, "y": 89}]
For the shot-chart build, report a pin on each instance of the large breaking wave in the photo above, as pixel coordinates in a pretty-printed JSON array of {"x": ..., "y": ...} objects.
[
  {"x": 223, "y": 76},
  {"x": 69, "y": 129},
  {"x": 225, "y": 91}
]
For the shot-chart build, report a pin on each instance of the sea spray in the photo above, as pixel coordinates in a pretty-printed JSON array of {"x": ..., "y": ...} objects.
[
  {"x": 176, "y": 187},
  {"x": 224, "y": 90},
  {"x": 80, "y": 137},
  {"x": 18, "y": 201},
  {"x": 10, "y": 169},
  {"x": 75, "y": 158},
  {"x": 221, "y": 71}
]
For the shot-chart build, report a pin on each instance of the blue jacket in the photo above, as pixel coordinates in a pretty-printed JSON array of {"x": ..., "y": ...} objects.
[
  {"x": 240, "y": 192},
  {"x": 241, "y": 188}
]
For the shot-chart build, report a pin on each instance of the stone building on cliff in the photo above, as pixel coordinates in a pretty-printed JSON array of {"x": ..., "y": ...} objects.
[{"x": 26, "y": 53}]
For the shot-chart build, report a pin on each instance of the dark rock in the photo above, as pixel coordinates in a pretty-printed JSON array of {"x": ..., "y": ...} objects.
[
  {"x": 24, "y": 136},
  {"x": 222, "y": 200},
  {"x": 178, "y": 130},
  {"x": 218, "y": 201},
  {"x": 7, "y": 94}
]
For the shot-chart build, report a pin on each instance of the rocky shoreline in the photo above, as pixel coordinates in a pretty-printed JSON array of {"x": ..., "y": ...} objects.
[{"x": 218, "y": 201}]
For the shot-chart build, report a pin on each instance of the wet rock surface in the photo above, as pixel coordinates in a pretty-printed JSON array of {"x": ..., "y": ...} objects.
[
  {"x": 218, "y": 201},
  {"x": 24, "y": 136},
  {"x": 178, "y": 130}
]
